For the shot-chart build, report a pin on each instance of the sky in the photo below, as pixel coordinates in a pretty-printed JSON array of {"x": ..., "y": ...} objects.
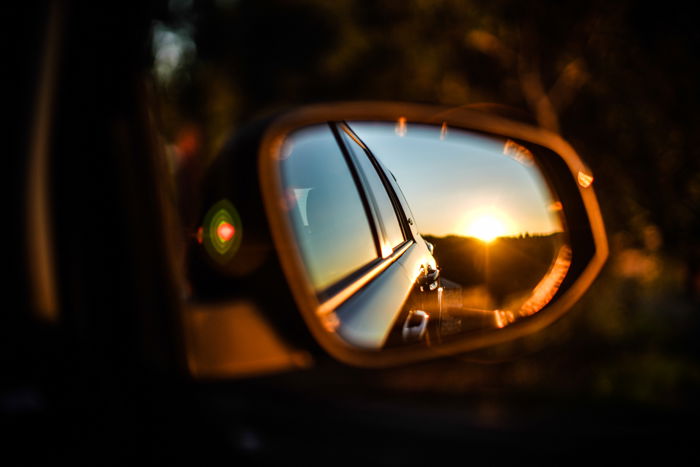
[{"x": 462, "y": 183}]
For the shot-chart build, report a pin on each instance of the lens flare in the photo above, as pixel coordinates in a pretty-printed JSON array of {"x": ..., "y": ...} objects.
[
  {"x": 584, "y": 179},
  {"x": 401, "y": 126}
]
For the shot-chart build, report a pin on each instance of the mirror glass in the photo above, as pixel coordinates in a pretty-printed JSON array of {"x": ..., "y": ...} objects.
[{"x": 414, "y": 234}]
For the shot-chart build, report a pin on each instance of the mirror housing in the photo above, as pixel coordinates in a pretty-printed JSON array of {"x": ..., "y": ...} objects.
[{"x": 342, "y": 336}]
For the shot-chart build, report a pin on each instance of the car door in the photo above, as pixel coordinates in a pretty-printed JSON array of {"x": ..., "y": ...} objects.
[
  {"x": 422, "y": 306},
  {"x": 354, "y": 237}
]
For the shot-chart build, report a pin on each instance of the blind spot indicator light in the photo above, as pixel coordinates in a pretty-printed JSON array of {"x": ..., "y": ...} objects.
[{"x": 223, "y": 231}]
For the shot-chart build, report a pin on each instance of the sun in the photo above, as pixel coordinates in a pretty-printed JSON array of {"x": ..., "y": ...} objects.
[{"x": 486, "y": 227}]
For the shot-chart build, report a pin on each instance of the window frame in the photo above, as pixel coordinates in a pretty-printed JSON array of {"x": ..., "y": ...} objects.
[
  {"x": 386, "y": 248},
  {"x": 344, "y": 288},
  {"x": 336, "y": 287}
]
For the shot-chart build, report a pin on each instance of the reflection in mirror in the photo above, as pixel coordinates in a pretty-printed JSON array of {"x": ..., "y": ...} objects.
[
  {"x": 483, "y": 203},
  {"x": 325, "y": 207},
  {"x": 415, "y": 234}
]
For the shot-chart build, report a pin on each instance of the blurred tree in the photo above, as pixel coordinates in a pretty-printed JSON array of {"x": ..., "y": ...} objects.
[{"x": 619, "y": 80}]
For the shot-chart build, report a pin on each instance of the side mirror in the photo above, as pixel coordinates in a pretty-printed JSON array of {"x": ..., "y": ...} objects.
[{"x": 407, "y": 232}]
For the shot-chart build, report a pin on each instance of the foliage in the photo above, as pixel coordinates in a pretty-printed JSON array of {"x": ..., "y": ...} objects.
[{"x": 619, "y": 80}]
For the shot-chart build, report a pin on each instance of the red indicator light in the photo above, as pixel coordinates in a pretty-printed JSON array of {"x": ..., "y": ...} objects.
[
  {"x": 225, "y": 231},
  {"x": 222, "y": 232}
]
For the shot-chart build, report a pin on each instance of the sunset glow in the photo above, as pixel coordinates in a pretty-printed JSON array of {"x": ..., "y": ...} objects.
[
  {"x": 486, "y": 227},
  {"x": 459, "y": 183}
]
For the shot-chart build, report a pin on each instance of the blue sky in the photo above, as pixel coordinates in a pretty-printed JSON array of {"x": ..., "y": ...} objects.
[{"x": 453, "y": 179}]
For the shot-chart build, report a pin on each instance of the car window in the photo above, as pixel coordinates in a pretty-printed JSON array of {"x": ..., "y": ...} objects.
[
  {"x": 390, "y": 224},
  {"x": 399, "y": 193},
  {"x": 325, "y": 207}
]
